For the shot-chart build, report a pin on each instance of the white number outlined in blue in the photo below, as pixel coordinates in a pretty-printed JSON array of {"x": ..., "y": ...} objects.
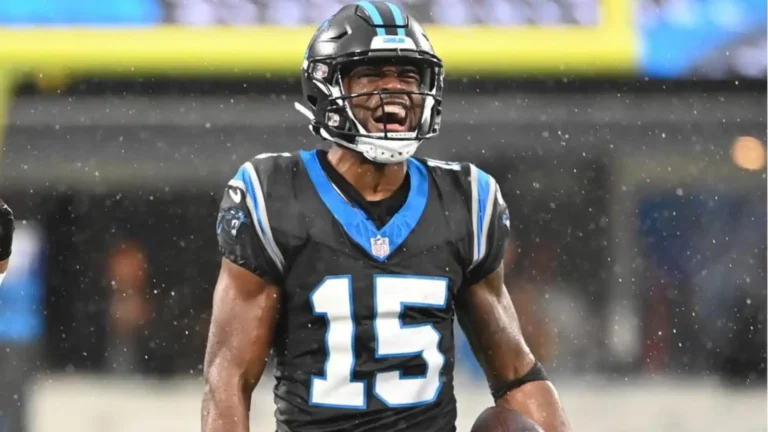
[{"x": 392, "y": 294}]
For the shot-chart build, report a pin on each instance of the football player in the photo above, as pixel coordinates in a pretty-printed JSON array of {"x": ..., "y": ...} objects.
[
  {"x": 348, "y": 265},
  {"x": 6, "y": 237}
]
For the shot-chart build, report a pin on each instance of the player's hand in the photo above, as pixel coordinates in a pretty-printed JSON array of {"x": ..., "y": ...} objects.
[{"x": 6, "y": 231}]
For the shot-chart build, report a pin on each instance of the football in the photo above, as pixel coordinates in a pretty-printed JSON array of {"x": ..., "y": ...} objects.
[{"x": 497, "y": 419}]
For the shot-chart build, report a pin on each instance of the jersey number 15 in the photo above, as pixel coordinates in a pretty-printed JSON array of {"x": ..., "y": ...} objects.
[{"x": 333, "y": 300}]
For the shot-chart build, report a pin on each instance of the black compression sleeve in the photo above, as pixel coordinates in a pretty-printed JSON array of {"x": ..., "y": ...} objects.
[{"x": 536, "y": 373}]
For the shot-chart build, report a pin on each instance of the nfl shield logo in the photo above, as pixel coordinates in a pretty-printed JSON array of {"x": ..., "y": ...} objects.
[{"x": 380, "y": 246}]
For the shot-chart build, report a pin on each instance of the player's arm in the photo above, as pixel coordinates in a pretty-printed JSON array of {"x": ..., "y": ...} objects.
[
  {"x": 245, "y": 309},
  {"x": 6, "y": 237},
  {"x": 246, "y": 303},
  {"x": 487, "y": 316}
]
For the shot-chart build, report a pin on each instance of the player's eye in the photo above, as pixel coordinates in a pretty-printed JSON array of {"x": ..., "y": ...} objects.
[{"x": 410, "y": 75}]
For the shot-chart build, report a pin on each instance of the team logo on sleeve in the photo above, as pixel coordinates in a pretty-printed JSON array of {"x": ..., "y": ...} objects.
[
  {"x": 380, "y": 246},
  {"x": 231, "y": 219}
]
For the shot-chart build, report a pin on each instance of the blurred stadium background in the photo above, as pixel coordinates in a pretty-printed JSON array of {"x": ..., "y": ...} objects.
[{"x": 628, "y": 136}]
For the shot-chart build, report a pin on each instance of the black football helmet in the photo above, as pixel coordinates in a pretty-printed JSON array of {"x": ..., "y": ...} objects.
[{"x": 360, "y": 33}]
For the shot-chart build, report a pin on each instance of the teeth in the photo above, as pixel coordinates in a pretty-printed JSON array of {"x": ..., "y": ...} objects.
[{"x": 395, "y": 109}]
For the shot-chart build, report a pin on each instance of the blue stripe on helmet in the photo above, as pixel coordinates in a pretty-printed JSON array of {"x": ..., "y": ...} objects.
[
  {"x": 375, "y": 17},
  {"x": 399, "y": 19}
]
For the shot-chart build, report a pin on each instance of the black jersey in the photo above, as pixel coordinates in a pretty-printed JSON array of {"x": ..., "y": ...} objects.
[{"x": 365, "y": 336}]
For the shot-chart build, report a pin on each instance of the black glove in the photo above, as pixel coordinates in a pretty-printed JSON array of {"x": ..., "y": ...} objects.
[{"x": 6, "y": 231}]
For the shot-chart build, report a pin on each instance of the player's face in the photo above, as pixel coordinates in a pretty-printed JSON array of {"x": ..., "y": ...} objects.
[{"x": 394, "y": 112}]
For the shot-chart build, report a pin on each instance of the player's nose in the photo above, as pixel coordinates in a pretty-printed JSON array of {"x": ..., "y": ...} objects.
[{"x": 391, "y": 82}]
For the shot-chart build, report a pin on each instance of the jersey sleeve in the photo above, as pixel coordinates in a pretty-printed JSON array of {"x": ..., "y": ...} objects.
[
  {"x": 243, "y": 228},
  {"x": 490, "y": 226}
]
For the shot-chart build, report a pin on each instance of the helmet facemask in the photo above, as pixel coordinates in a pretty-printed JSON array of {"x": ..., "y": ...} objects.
[{"x": 334, "y": 118}]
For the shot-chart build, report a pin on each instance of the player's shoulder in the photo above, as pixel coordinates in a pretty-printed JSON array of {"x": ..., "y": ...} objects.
[
  {"x": 271, "y": 164},
  {"x": 266, "y": 172},
  {"x": 464, "y": 184},
  {"x": 265, "y": 186},
  {"x": 465, "y": 176}
]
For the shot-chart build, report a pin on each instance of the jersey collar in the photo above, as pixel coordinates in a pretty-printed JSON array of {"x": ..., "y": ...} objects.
[{"x": 379, "y": 244}]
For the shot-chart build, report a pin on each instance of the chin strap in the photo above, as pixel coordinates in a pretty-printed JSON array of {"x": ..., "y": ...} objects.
[{"x": 365, "y": 145}]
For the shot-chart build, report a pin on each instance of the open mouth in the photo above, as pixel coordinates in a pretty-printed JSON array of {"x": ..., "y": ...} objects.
[{"x": 391, "y": 117}]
